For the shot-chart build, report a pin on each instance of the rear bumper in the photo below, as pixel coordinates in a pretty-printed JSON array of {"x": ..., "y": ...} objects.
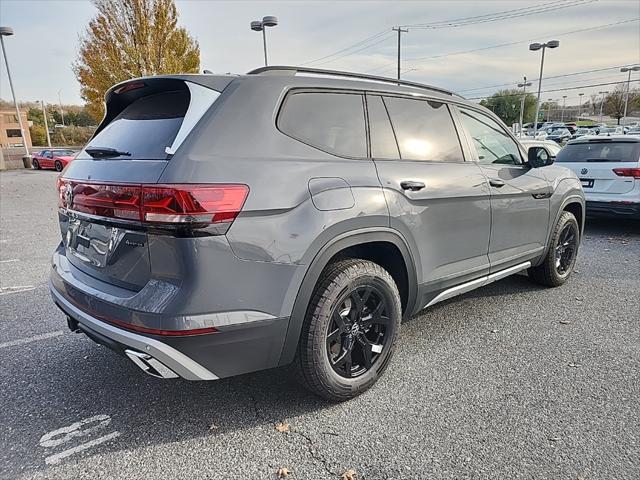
[
  {"x": 622, "y": 209},
  {"x": 122, "y": 341}
]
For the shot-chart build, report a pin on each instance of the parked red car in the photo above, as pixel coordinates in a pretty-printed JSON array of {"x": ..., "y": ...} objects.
[{"x": 56, "y": 158}]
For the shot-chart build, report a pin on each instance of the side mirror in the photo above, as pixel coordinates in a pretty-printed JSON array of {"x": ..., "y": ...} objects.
[{"x": 539, "y": 157}]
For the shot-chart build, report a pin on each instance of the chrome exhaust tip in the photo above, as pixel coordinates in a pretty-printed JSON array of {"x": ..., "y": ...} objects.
[{"x": 150, "y": 365}]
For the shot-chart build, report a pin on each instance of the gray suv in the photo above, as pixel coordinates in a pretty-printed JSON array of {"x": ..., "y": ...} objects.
[{"x": 218, "y": 225}]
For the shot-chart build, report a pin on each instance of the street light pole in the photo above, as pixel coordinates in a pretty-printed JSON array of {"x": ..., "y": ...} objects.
[
  {"x": 534, "y": 47},
  {"x": 6, "y": 32},
  {"x": 549, "y": 109},
  {"x": 601, "y": 102},
  {"x": 46, "y": 124},
  {"x": 635, "y": 68},
  {"x": 580, "y": 104},
  {"x": 564, "y": 98},
  {"x": 261, "y": 26},
  {"x": 524, "y": 86},
  {"x": 61, "y": 109},
  {"x": 400, "y": 31}
]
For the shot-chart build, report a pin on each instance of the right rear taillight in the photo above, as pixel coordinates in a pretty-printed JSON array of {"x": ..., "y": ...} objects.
[
  {"x": 184, "y": 204},
  {"x": 627, "y": 172}
]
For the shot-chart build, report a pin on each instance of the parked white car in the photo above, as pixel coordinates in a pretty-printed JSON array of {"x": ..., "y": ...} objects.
[{"x": 609, "y": 170}]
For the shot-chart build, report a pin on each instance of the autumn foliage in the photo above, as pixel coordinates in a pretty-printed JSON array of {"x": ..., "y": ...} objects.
[{"x": 131, "y": 38}]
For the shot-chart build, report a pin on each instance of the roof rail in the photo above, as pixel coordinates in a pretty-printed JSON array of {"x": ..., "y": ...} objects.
[{"x": 290, "y": 70}]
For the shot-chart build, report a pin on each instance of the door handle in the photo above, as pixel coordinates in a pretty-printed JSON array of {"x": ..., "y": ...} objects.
[
  {"x": 412, "y": 185},
  {"x": 496, "y": 182}
]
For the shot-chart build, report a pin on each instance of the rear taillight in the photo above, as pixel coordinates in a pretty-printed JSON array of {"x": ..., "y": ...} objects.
[
  {"x": 192, "y": 203},
  {"x": 627, "y": 172},
  {"x": 158, "y": 204}
]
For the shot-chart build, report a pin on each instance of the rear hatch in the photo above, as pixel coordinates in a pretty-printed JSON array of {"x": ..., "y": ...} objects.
[
  {"x": 603, "y": 164},
  {"x": 101, "y": 192}
]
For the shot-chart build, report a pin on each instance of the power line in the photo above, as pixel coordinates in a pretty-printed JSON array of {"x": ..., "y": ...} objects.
[
  {"x": 572, "y": 74},
  {"x": 597, "y": 27},
  {"x": 383, "y": 39},
  {"x": 455, "y": 23},
  {"x": 372, "y": 37},
  {"x": 504, "y": 15},
  {"x": 557, "y": 89}
]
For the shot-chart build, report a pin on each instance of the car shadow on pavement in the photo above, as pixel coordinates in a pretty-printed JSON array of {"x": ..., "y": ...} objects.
[{"x": 600, "y": 225}]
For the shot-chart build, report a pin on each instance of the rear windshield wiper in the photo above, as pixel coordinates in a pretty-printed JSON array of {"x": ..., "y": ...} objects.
[{"x": 105, "y": 152}]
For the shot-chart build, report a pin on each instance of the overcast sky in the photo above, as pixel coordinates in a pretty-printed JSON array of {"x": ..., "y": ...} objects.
[{"x": 46, "y": 41}]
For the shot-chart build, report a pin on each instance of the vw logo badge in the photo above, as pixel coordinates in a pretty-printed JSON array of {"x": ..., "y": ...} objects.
[
  {"x": 584, "y": 171},
  {"x": 68, "y": 195}
]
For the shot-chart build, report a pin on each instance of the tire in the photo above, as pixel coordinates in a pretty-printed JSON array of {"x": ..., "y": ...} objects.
[
  {"x": 322, "y": 364},
  {"x": 553, "y": 272},
  {"x": 58, "y": 166},
  {"x": 35, "y": 164}
]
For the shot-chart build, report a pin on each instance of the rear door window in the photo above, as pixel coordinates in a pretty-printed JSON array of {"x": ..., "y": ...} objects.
[
  {"x": 424, "y": 130},
  {"x": 605, "y": 151},
  {"x": 332, "y": 122},
  {"x": 145, "y": 128}
]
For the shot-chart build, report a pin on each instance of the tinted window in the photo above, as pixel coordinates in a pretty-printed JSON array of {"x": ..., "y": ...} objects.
[
  {"x": 144, "y": 128},
  {"x": 333, "y": 122},
  {"x": 424, "y": 130},
  {"x": 383, "y": 141},
  {"x": 600, "y": 152},
  {"x": 492, "y": 142}
]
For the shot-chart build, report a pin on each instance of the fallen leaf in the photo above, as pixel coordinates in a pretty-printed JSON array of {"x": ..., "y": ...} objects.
[
  {"x": 350, "y": 474},
  {"x": 283, "y": 472},
  {"x": 580, "y": 299},
  {"x": 574, "y": 365},
  {"x": 565, "y": 322},
  {"x": 555, "y": 439},
  {"x": 282, "y": 427},
  {"x": 494, "y": 331}
]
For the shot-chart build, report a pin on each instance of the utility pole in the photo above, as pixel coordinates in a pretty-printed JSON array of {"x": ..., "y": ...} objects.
[
  {"x": 46, "y": 124},
  {"x": 524, "y": 86},
  {"x": 564, "y": 98},
  {"x": 400, "y": 31}
]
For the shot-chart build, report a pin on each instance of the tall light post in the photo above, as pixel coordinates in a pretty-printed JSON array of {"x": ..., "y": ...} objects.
[
  {"x": 261, "y": 26},
  {"x": 61, "y": 109},
  {"x": 635, "y": 68},
  {"x": 534, "y": 47},
  {"x": 7, "y": 32},
  {"x": 564, "y": 104},
  {"x": 46, "y": 123},
  {"x": 580, "y": 104},
  {"x": 524, "y": 86},
  {"x": 550, "y": 100},
  {"x": 601, "y": 102}
]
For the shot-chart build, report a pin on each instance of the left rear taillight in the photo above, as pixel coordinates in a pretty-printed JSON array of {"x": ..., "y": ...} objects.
[
  {"x": 170, "y": 204},
  {"x": 627, "y": 172}
]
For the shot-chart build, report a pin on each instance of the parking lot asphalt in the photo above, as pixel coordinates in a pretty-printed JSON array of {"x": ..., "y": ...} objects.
[{"x": 509, "y": 381}]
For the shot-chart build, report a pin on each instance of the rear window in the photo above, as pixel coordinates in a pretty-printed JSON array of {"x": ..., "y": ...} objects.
[
  {"x": 600, "y": 152},
  {"x": 332, "y": 122},
  {"x": 424, "y": 130},
  {"x": 145, "y": 128}
]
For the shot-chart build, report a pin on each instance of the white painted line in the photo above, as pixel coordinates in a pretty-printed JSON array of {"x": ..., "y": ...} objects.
[
  {"x": 58, "y": 457},
  {"x": 16, "y": 289},
  {"x": 35, "y": 338},
  {"x": 10, "y": 260}
]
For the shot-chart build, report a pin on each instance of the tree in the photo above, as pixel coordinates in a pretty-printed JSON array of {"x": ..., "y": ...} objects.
[
  {"x": 131, "y": 38},
  {"x": 614, "y": 102},
  {"x": 506, "y": 104}
]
